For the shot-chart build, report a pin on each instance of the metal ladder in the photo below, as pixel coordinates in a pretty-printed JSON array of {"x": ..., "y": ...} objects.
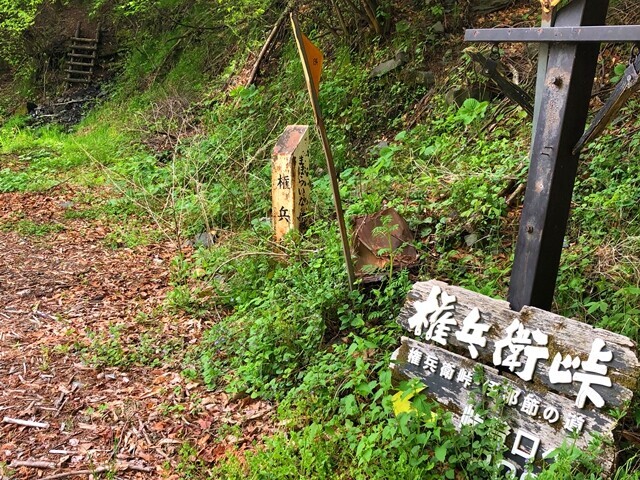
[{"x": 81, "y": 59}]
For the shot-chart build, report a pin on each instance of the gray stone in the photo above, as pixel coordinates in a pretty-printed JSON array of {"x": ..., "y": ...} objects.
[
  {"x": 426, "y": 79},
  {"x": 471, "y": 239},
  {"x": 438, "y": 27},
  {"x": 205, "y": 239},
  {"x": 385, "y": 67}
]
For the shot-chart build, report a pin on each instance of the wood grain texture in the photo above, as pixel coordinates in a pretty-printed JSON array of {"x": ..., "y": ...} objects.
[
  {"x": 455, "y": 396},
  {"x": 290, "y": 185},
  {"x": 566, "y": 336}
]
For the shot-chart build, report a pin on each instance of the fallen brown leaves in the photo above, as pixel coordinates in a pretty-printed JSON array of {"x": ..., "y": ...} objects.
[{"x": 60, "y": 293}]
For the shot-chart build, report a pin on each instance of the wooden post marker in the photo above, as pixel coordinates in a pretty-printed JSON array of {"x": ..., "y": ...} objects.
[
  {"x": 290, "y": 180},
  {"x": 549, "y": 378}
]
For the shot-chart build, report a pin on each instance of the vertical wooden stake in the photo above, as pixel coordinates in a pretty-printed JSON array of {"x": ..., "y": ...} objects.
[
  {"x": 313, "y": 88},
  {"x": 290, "y": 179}
]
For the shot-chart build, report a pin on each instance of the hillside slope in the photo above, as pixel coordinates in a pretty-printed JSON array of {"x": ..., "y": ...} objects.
[{"x": 141, "y": 285}]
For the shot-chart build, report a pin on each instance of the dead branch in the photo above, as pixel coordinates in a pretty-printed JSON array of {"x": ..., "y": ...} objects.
[
  {"x": 32, "y": 464},
  {"x": 343, "y": 24},
  {"x": 25, "y": 423},
  {"x": 101, "y": 469},
  {"x": 357, "y": 9},
  {"x": 267, "y": 45},
  {"x": 516, "y": 194},
  {"x": 371, "y": 15}
]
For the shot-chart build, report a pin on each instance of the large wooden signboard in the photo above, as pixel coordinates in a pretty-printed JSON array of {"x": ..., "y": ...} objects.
[
  {"x": 559, "y": 378},
  {"x": 290, "y": 179}
]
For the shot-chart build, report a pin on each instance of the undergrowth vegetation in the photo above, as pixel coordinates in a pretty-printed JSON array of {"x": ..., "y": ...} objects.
[{"x": 182, "y": 144}]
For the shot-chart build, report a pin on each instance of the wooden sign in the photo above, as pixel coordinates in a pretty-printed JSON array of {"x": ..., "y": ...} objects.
[
  {"x": 558, "y": 378},
  {"x": 290, "y": 179}
]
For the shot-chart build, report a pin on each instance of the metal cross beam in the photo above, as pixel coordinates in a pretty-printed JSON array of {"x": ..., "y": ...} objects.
[
  {"x": 561, "y": 121},
  {"x": 587, "y": 34}
]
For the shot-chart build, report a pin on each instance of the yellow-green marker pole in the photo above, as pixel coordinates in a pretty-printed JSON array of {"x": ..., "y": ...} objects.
[{"x": 312, "y": 88}]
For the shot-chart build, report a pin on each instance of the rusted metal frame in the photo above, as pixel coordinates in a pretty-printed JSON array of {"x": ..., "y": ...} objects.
[
  {"x": 628, "y": 85},
  {"x": 588, "y": 34},
  {"x": 511, "y": 90},
  {"x": 563, "y": 115}
]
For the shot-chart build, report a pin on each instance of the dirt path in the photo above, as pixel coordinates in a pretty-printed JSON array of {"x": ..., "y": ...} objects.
[{"x": 71, "y": 309}]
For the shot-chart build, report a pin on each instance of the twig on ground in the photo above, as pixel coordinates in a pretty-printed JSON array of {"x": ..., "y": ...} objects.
[
  {"x": 25, "y": 423},
  {"x": 101, "y": 469},
  {"x": 516, "y": 194},
  {"x": 32, "y": 464}
]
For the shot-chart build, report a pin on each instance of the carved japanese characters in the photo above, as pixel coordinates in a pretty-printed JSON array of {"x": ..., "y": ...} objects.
[{"x": 557, "y": 376}]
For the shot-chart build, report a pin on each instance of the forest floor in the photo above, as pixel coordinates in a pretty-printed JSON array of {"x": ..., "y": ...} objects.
[{"x": 89, "y": 350}]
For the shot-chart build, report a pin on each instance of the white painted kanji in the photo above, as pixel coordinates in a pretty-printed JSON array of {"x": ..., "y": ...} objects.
[
  {"x": 512, "y": 396},
  {"x": 551, "y": 414},
  {"x": 448, "y": 370},
  {"x": 437, "y": 304},
  {"x": 574, "y": 422},
  {"x": 430, "y": 363},
  {"x": 440, "y": 329},
  {"x": 594, "y": 374},
  {"x": 473, "y": 332},
  {"x": 465, "y": 377},
  {"x": 519, "y": 341},
  {"x": 521, "y": 449},
  {"x": 470, "y": 417},
  {"x": 564, "y": 375},
  {"x": 510, "y": 466},
  {"x": 415, "y": 356},
  {"x": 530, "y": 405}
]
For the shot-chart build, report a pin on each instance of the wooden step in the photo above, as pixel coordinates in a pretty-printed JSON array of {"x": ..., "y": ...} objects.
[
  {"x": 80, "y": 39},
  {"x": 82, "y": 64},
  {"x": 80, "y": 72},
  {"x": 84, "y": 47},
  {"x": 81, "y": 55}
]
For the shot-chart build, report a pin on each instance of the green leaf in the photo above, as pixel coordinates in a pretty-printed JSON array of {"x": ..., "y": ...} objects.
[{"x": 441, "y": 453}]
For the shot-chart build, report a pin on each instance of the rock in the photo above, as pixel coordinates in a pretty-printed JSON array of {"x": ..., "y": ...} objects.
[
  {"x": 205, "y": 239},
  {"x": 456, "y": 96},
  {"x": 424, "y": 78},
  {"x": 377, "y": 148},
  {"x": 385, "y": 67},
  {"x": 67, "y": 110},
  {"x": 438, "y": 27},
  {"x": 67, "y": 204},
  {"x": 471, "y": 239},
  {"x": 402, "y": 57}
]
